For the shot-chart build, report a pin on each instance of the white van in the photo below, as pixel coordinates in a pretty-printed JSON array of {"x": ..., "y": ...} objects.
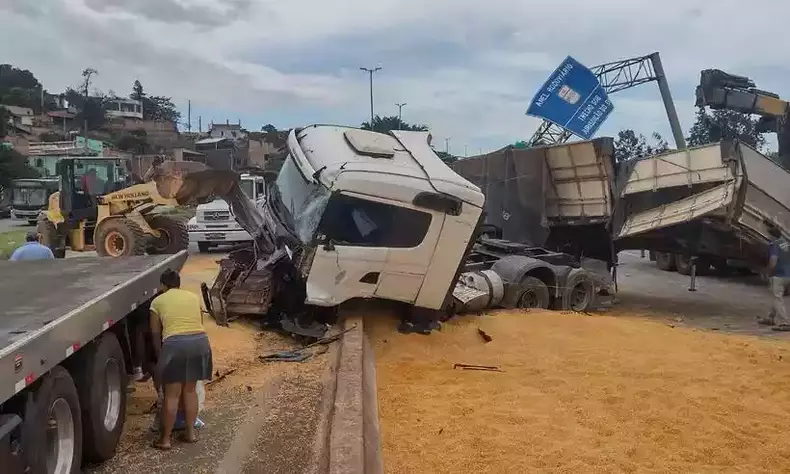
[{"x": 214, "y": 224}]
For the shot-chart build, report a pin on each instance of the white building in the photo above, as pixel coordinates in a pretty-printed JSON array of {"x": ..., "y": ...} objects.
[
  {"x": 232, "y": 131},
  {"x": 126, "y": 108},
  {"x": 19, "y": 116}
]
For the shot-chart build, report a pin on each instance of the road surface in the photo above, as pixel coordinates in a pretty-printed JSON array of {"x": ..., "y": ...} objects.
[{"x": 7, "y": 225}]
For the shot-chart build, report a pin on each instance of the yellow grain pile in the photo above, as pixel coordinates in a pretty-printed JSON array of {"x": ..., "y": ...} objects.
[{"x": 581, "y": 394}]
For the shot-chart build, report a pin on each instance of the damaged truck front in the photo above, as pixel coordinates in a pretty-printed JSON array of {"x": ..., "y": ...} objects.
[{"x": 352, "y": 214}]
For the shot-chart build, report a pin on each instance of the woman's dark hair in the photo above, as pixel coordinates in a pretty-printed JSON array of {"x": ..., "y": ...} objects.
[{"x": 170, "y": 279}]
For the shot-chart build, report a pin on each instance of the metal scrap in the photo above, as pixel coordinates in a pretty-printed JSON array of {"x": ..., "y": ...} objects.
[
  {"x": 485, "y": 368},
  {"x": 485, "y": 336},
  {"x": 302, "y": 354}
]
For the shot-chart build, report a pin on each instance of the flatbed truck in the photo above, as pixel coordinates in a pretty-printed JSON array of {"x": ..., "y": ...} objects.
[{"x": 65, "y": 355}]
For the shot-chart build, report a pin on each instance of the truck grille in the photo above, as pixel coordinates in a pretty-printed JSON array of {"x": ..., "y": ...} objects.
[
  {"x": 29, "y": 197},
  {"x": 216, "y": 216}
]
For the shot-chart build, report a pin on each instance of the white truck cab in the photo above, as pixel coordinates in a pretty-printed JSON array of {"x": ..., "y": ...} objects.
[
  {"x": 377, "y": 215},
  {"x": 214, "y": 224}
]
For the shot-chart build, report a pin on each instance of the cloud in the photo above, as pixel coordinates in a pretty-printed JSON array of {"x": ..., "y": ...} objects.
[
  {"x": 466, "y": 68},
  {"x": 219, "y": 13}
]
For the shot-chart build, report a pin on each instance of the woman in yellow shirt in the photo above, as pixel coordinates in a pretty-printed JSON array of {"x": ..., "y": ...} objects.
[{"x": 184, "y": 356}]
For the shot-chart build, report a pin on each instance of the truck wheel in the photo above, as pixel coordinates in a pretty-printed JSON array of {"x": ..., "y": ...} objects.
[
  {"x": 665, "y": 261},
  {"x": 530, "y": 293},
  {"x": 119, "y": 237},
  {"x": 32, "y": 222},
  {"x": 204, "y": 247},
  {"x": 175, "y": 236},
  {"x": 579, "y": 292},
  {"x": 101, "y": 382},
  {"x": 52, "y": 430},
  {"x": 683, "y": 264}
]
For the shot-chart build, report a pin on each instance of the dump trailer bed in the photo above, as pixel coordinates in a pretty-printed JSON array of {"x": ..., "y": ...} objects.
[{"x": 49, "y": 309}]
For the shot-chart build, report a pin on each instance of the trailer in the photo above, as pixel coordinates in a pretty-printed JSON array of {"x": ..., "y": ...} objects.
[{"x": 65, "y": 355}]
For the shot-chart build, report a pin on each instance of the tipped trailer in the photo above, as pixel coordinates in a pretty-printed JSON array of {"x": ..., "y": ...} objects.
[{"x": 65, "y": 354}]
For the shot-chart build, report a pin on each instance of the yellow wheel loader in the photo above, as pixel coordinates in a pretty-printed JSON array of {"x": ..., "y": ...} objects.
[{"x": 98, "y": 205}]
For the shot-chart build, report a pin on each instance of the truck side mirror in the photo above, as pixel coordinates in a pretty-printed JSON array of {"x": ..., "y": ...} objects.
[{"x": 329, "y": 245}]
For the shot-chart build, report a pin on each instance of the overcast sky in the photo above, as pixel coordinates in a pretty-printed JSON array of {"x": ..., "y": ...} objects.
[{"x": 466, "y": 68}]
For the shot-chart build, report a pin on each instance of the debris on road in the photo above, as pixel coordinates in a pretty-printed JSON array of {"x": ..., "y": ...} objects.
[
  {"x": 487, "y": 368},
  {"x": 218, "y": 376},
  {"x": 485, "y": 336},
  {"x": 303, "y": 353}
]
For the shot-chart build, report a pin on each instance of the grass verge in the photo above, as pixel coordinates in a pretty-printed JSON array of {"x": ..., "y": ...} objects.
[{"x": 9, "y": 241}]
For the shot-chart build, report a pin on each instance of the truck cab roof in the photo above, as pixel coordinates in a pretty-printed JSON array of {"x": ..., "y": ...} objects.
[{"x": 362, "y": 158}]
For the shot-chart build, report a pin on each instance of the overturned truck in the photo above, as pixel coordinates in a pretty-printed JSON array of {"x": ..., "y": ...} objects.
[
  {"x": 358, "y": 214},
  {"x": 700, "y": 207}
]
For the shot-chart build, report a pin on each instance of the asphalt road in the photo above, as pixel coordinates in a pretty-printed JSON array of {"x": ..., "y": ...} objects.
[{"x": 7, "y": 225}]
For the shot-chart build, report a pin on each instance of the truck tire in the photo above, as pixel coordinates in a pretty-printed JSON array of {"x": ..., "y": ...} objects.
[
  {"x": 119, "y": 237},
  {"x": 52, "y": 428},
  {"x": 101, "y": 384},
  {"x": 204, "y": 247},
  {"x": 579, "y": 292},
  {"x": 530, "y": 293},
  {"x": 665, "y": 261},
  {"x": 175, "y": 236}
]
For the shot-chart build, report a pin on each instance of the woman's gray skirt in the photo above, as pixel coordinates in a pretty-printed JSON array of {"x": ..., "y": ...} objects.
[{"x": 185, "y": 358}]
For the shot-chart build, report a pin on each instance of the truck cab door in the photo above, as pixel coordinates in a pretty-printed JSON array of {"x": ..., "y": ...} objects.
[{"x": 348, "y": 260}]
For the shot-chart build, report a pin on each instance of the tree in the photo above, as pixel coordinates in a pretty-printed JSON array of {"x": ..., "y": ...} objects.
[
  {"x": 446, "y": 157},
  {"x": 155, "y": 107},
  {"x": 629, "y": 145},
  {"x": 724, "y": 124},
  {"x": 91, "y": 109},
  {"x": 3, "y": 122},
  {"x": 385, "y": 124},
  {"x": 19, "y": 87},
  {"x": 269, "y": 128},
  {"x": 12, "y": 166},
  {"x": 137, "y": 91}
]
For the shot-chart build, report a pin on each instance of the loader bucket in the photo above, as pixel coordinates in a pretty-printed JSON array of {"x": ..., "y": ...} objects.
[{"x": 191, "y": 182}]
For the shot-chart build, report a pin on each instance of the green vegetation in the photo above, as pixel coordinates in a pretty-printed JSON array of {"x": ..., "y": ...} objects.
[{"x": 9, "y": 241}]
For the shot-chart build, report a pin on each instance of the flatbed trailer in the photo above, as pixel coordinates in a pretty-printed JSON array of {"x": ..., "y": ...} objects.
[{"x": 65, "y": 354}]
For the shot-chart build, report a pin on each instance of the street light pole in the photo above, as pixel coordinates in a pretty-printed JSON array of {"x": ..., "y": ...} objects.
[
  {"x": 400, "y": 110},
  {"x": 370, "y": 73}
]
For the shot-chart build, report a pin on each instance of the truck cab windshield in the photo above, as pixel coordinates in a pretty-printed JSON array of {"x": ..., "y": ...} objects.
[{"x": 305, "y": 201}]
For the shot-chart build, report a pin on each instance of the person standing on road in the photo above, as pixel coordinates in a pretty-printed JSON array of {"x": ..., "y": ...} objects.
[
  {"x": 778, "y": 273},
  {"x": 183, "y": 357},
  {"x": 32, "y": 249}
]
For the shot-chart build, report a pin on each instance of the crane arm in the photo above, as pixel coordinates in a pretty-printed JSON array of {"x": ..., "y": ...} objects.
[{"x": 720, "y": 90}]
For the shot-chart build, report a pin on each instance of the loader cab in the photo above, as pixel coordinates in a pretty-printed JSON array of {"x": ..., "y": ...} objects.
[{"x": 84, "y": 180}]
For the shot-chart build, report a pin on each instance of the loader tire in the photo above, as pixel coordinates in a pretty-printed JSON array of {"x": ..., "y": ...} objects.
[
  {"x": 665, "y": 261},
  {"x": 174, "y": 235},
  {"x": 119, "y": 237},
  {"x": 579, "y": 292}
]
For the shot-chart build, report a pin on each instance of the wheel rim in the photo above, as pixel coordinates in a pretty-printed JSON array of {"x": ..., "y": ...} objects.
[
  {"x": 115, "y": 243},
  {"x": 161, "y": 243},
  {"x": 528, "y": 299},
  {"x": 60, "y": 437},
  {"x": 111, "y": 404},
  {"x": 579, "y": 297}
]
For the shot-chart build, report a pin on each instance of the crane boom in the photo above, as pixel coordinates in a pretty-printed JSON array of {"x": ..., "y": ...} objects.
[{"x": 723, "y": 91}]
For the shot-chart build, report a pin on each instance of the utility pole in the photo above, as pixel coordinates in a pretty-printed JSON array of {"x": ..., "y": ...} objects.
[
  {"x": 400, "y": 111},
  {"x": 200, "y": 124},
  {"x": 87, "y": 73},
  {"x": 447, "y": 145},
  {"x": 189, "y": 116},
  {"x": 466, "y": 149},
  {"x": 370, "y": 74}
]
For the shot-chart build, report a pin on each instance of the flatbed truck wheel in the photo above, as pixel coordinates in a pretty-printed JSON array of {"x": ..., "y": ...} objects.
[
  {"x": 174, "y": 235},
  {"x": 119, "y": 237},
  {"x": 52, "y": 427},
  {"x": 101, "y": 382}
]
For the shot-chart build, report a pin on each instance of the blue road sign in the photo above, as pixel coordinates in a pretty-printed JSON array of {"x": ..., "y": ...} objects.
[{"x": 572, "y": 98}]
